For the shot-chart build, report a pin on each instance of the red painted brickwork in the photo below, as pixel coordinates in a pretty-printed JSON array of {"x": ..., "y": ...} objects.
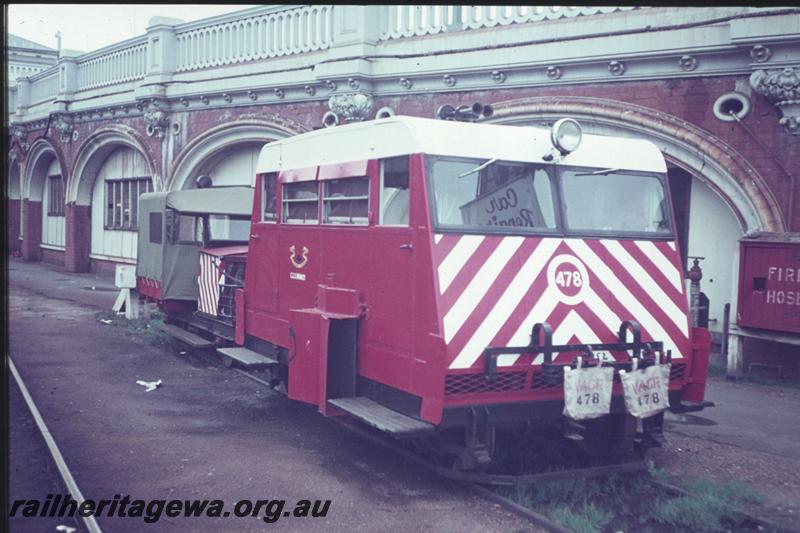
[
  {"x": 78, "y": 237},
  {"x": 12, "y": 225},
  {"x": 32, "y": 230},
  {"x": 53, "y": 257},
  {"x": 103, "y": 268}
]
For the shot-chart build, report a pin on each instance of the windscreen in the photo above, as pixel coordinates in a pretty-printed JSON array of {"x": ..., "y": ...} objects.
[
  {"x": 490, "y": 194},
  {"x": 227, "y": 228},
  {"x": 614, "y": 201}
]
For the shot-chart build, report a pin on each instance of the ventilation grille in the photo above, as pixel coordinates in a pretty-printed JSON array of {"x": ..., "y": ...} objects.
[
  {"x": 515, "y": 381},
  {"x": 476, "y": 383},
  {"x": 538, "y": 381}
]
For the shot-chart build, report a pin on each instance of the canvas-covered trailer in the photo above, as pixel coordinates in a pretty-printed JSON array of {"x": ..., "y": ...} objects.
[{"x": 174, "y": 226}]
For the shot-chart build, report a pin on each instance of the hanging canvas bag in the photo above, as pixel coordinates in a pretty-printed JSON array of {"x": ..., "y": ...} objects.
[
  {"x": 646, "y": 391},
  {"x": 587, "y": 391}
]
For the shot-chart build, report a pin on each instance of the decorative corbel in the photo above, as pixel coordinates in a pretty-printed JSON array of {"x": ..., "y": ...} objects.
[
  {"x": 157, "y": 120},
  {"x": 782, "y": 88},
  {"x": 63, "y": 125},
  {"x": 20, "y": 140},
  {"x": 352, "y": 107}
]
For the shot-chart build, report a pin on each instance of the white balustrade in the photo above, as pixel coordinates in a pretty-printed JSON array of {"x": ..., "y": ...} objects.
[
  {"x": 290, "y": 30},
  {"x": 409, "y": 21},
  {"x": 44, "y": 86},
  {"x": 112, "y": 66},
  {"x": 272, "y": 31}
]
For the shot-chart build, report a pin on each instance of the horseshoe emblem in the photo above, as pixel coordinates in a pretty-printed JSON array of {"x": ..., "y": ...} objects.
[{"x": 298, "y": 262}]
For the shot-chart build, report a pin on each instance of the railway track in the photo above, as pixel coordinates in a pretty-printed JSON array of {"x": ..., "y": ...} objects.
[{"x": 486, "y": 485}]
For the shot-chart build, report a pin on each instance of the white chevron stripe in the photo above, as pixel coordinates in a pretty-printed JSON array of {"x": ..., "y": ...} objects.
[
  {"x": 505, "y": 305},
  {"x": 662, "y": 263},
  {"x": 454, "y": 262},
  {"x": 600, "y": 308},
  {"x": 607, "y": 277},
  {"x": 672, "y": 245},
  {"x": 648, "y": 284},
  {"x": 540, "y": 313},
  {"x": 480, "y": 283},
  {"x": 201, "y": 285},
  {"x": 572, "y": 324},
  {"x": 437, "y": 237}
]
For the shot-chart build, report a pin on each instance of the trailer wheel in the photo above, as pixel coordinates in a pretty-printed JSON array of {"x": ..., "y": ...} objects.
[{"x": 608, "y": 438}]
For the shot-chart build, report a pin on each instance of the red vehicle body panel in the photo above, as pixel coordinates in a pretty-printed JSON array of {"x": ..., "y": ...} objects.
[
  {"x": 428, "y": 303},
  {"x": 149, "y": 288}
]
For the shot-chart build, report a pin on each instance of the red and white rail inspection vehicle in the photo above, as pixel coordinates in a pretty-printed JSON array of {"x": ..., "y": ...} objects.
[{"x": 434, "y": 276}]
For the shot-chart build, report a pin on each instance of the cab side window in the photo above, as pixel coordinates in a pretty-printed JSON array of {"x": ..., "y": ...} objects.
[
  {"x": 394, "y": 191},
  {"x": 300, "y": 202},
  {"x": 270, "y": 197},
  {"x": 346, "y": 201}
]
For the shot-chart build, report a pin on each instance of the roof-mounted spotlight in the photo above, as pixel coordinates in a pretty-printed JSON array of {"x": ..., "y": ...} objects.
[{"x": 566, "y": 135}]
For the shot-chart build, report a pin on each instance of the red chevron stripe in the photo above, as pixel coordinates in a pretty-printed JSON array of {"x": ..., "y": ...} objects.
[
  {"x": 444, "y": 246},
  {"x": 647, "y": 301},
  {"x": 605, "y": 332},
  {"x": 520, "y": 313},
  {"x": 468, "y": 272},
  {"x": 658, "y": 277},
  {"x": 636, "y": 286},
  {"x": 495, "y": 292}
]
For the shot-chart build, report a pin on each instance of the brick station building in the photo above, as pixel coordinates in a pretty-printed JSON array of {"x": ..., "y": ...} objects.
[{"x": 716, "y": 88}]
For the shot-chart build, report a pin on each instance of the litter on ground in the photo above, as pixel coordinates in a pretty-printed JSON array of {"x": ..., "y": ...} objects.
[{"x": 149, "y": 385}]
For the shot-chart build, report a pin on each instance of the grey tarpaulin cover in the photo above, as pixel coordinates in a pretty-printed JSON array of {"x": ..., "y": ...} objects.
[{"x": 176, "y": 266}]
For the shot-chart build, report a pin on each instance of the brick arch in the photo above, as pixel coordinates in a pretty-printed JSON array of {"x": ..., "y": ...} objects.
[
  {"x": 688, "y": 146},
  {"x": 93, "y": 152},
  {"x": 34, "y": 177},
  {"x": 89, "y": 159},
  {"x": 212, "y": 142},
  {"x": 14, "y": 190},
  {"x": 41, "y": 154}
]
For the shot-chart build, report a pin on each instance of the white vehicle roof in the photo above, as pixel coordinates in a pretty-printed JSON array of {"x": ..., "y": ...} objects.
[{"x": 401, "y": 135}]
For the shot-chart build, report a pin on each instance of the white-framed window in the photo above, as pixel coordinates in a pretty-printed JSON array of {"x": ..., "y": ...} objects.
[
  {"x": 122, "y": 202},
  {"x": 55, "y": 196},
  {"x": 301, "y": 202},
  {"x": 346, "y": 201},
  {"x": 270, "y": 197},
  {"x": 394, "y": 191}
]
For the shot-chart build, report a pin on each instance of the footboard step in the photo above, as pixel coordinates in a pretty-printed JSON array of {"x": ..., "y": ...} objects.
[
  {"x": 247, "y": 357},
  {"x": 381, "y": 417},
  {"x": 195, "y": 341}
]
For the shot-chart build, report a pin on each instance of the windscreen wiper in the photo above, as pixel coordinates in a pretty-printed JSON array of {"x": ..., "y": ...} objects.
[
  {"x": 478, "y": 168},
  {"x": 598, "y": 172}
]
